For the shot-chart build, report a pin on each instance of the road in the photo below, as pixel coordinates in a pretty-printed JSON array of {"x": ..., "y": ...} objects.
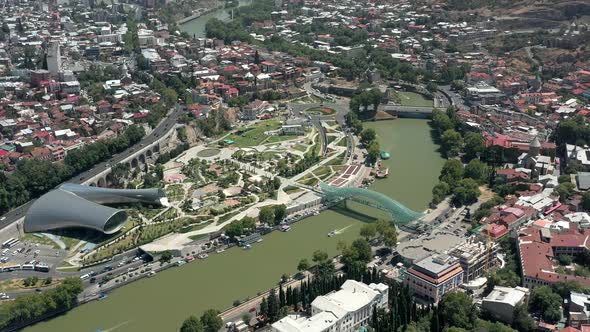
[
  {"x": 456, "y": 99},
  {"x": 164, "y": 126}
]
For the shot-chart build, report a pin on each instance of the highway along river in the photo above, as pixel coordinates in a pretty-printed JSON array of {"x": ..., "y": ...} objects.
[{"x": 162, "y": 302}]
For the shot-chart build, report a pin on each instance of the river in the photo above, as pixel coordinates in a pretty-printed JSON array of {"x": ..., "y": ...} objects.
[
  {"x": 196, "y": 27},
  {"x": 161, "y": 303}
]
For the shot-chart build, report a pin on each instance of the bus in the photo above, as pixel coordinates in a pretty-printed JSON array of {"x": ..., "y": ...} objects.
[
  {"x": 10, "y": 268},
  {"x": 41, "y": 267},
  {"x": 27, "y": 267},
  {"x": 10, "y": 243}
]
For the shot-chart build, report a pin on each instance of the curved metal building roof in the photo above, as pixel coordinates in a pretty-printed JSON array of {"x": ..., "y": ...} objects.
[
  {"x": 73, "y": 205},
  {"x": 114, "y": 196},
  {"x": 62, "y": 209}
]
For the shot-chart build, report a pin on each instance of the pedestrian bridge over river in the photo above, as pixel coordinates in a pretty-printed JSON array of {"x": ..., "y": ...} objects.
[{"x": 399, "y": 213}]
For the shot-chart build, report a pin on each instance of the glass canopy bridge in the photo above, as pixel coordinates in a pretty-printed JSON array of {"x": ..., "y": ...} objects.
[{"x": 400, "y": 214}]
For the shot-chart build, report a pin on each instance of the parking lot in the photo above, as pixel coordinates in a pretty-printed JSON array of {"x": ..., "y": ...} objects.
[{"x": 448, "y": 231}]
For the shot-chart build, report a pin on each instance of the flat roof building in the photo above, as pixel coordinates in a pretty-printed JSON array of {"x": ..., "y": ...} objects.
[
  {"x": 434, "y": 276},
  {"x": 342, "y": 311},
  {"x": 500, "y": 303}
]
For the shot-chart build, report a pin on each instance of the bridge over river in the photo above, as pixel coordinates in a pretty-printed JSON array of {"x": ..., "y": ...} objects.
[{"x": 400, "y": 214}]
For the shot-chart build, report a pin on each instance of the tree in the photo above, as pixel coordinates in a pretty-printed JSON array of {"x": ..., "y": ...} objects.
[
  {"x": 256, "y": 58},
  {"x": 431, "y": 87},
  {"x": 546, "y": 302},
  {"x": 451, "y": 172},
  {"x": 192, "y": 324},
  {"x": 319, "y": 256},
  {"x": 522, "y": 320},
  {"x": 267, "y": 215},
  {"x": 440, "y": 191},
  {"x": 476, "y": 170},
  {"x": 466, "y": 192},
  {"x": 368, "y": 135},
  {"x": 368, "y": 231},
  {"x": 373, "y": 151},
  {"x": 451, "y": 142},
  {"x": 211, "y": 320},
  {"x": 358, "y": 254},
  {"x": 457, "y": 309},
  {"x": 564, "y": 191},
  {"x": 586, "y": 201},
  {"x": 280, "y": 211},
  {"x": 303, "y": 265},
  {"x": 474, "y": 145},
  {"x": 166, "y": 256},
  {"x": 457, "y": 85},
  {"x": 441, "y": 122}
]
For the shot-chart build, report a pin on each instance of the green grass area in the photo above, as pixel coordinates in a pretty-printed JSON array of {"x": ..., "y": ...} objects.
[
  {"x": 322, "y": 170},
  {"x": 292, "y": 189},
  {"x": 208, "y": 153},
  {"x": 198, "y": 237},
  {"x": 300, "y": 147},
  {"x": 67, "y": 267},
  {"x": 32, "y": 238},
  {"x": 279, "y": 138},
  {"x": 253, "y": 134},
  {"x": 193, "y": 227},
  {"x": 175, "y": 192},
  {"x": 414, "y": 99},
  {"x": 149, "y": 213},
  {"x": 336, "y": 161},
  {"x": 343, "y": 142},
  {"x": 18, "y": 284},
  {"x": 307, "y": 100},
  {"x": 321, "y": 111},
  {"x": 309, "y": 180}
]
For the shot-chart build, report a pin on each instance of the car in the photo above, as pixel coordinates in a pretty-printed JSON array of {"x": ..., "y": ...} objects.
[{"x": 3, "y": 218}]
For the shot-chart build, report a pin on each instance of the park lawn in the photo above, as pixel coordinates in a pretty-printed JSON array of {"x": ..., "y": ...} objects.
[
  {"x": 253, "y": 134},
  {"x": 32, "y": 238},
  {"x": 292, "y": 189},
  {"x": 321, "y": 111},
  {"x": 300, "y": 147},
  {"x": 322, "y": 170},
  {"x": 309, "y": 182},
  {"x": 269, "y": 155},
  {"x": 343, "y": 142},
  {"x": 280, "y": 138},
  {"x": 67, "y": 267},
  {"x": 198, "y": 236},
  {"x": 18, "y": 284},
  {"x": 194, "y": 227},
  {"x": 414, "y": 99},
  {"x": 336, "y": 161},
  {"x": 175, "y": 192}
]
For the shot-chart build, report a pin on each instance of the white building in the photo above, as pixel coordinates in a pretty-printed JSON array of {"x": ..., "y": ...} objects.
[
  {"x": 54, "y": 59},
  {"x": 500, "y": 303},
  {"x": 342, "y": 311}
]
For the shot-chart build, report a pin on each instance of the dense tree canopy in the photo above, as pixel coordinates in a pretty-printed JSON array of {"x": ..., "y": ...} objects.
[{"x": 457, "y": 309}]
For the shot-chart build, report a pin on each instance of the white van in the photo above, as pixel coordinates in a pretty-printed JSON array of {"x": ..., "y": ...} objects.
[{"x": 84, "y": 276}]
